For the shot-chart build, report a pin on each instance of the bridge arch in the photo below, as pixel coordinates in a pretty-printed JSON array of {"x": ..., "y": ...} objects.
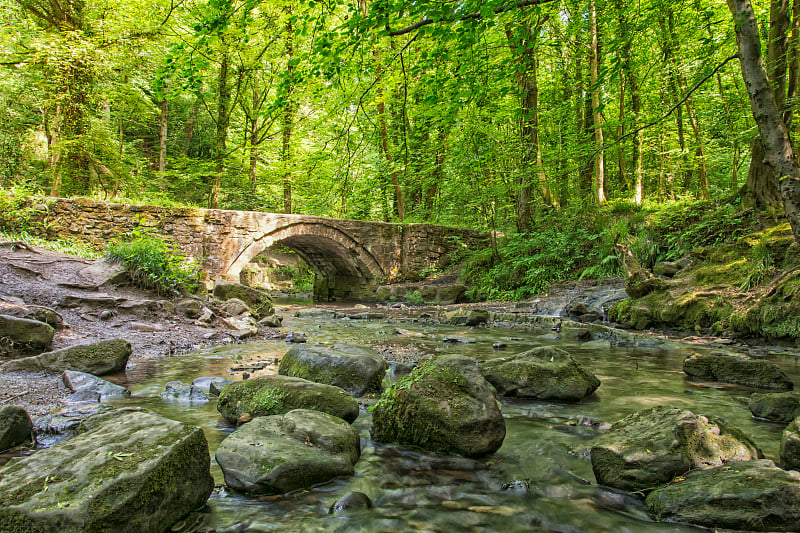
[{"x": 343, "y": 268}]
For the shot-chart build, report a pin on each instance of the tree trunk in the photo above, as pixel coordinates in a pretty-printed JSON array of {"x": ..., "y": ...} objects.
[
  {"x": 288, "y": 117},
  {"x": 254, "y": 142},
  {"x": 669, "y": 45},
  {"x": 599, "y": 191},
  {"x": 223, "y": 121},
  {"x": 188, "y": 128},
  {"x": 778, "y": 155},
  {"x": 162, "y": 136}
]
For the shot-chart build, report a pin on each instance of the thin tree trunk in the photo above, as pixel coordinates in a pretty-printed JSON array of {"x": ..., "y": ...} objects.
[
  {"x": 223, "y": 121},
  {"x": 779, "y": 155},
  {"x": 162, "y": 136},
  {"x": 599, "y": 159},
  {"x": 254, "y": 142},
  {"x": 288, "y": 117},
  {"x": 669, "y": 46},
  {"x": 188, "y": 128},
  {"x": 794, "y": 67}
]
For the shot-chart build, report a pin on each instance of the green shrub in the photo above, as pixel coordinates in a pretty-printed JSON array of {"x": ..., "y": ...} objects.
[
  {"x": 154, "y": 264},
  {"x": 414, "y": 298}
]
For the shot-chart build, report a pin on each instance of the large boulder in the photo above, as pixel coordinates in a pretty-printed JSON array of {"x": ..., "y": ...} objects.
[
  {"x": 99, "y": 358},
  {"x": 749, "y": 496},
  {"x": 257, "y": 300},
  {"x": 277, "y": 395},
  {"x": 649, "y": 448},
  {"x": 26, "y": 335},
  {"x": 739, "y": 370},
  {"x": 546, "y": 373},
  {"x": 444, "y": 405},
  {"x": 282, "y": 453},
  {"x": 781, "y": 407},
  {"x": 89, "y": 388},
  {"x": 356, "y": 369},
  {"x": 15, "y": 427},
  {"x": 790, "y": 445},
  {"x": 130, "y": 470}
]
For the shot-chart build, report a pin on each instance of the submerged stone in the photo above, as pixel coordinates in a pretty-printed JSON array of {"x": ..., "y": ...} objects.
[
  {"x": 750, "y": 496},
  {"x": 739, "y": 370},
  {"x": 782, "y": 407},
  {"x": 356, "y": 369},
  {"x": 130, "y": 470},
  {"x": 546, "y": 373},
  {"x": 278, "y": 454},
  {"x": 444, "y": 405},
  {"x": 277, "y": 395},
  {"x": 651, "y": 447}
]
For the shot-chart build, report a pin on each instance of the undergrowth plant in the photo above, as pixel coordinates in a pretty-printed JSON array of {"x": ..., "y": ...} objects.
[{"x": 154, "y": 264}]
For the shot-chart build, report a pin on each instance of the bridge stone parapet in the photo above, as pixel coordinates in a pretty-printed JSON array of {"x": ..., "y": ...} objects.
[{"x": 350, "y": 258}]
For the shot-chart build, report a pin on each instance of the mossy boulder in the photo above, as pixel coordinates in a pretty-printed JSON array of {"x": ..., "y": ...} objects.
[
  {"x": 15, "y": 427},
  {"x": 748, "y": 496},
  {"x": 277, "y": 395},
  {"x": 546, "y": 373},
  {"x": 776, "y": 315},
  {"x": 444, "y": 405},
  {"x": 99, "y": 358},
  {"x": 642, "y": 282},
  {"x": 357, "y": 369},
  {"x": 130, "y": 470},
  {"x": 790, "y": 445},
  {"x": 781, "y": 407},
  {"x": 257, "y": 300},
  {"x": 651, "y": 447},
  {"x": 282, "y": 453},
  {"x": 25, "y": 335},
  {"x": 740, "y": 370}
]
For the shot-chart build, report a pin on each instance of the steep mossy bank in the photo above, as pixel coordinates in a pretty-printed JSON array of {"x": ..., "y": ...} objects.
[{"x": 748, "y": 288}]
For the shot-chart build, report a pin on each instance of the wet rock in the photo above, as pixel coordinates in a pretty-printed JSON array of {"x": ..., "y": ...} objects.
[
  {"x": 546, "y": 373},
  {"x": 649, "y": 448},
  {"x": 256, "y": 299},
  {"x": 750, "y": 496},
  {"x": 445, "y": 405},
  {"x": 519, "y": 486},
  {"x": 211, "y": 385},
  {"x": 276, "y": 395},
  {"x": 65, "y": 424},
  {"x": 183, "y": 392},
  {"x": 279, "y": 454},
  {"x": 272, "y": 321},
  {"x": 130, "y": 470},
  {"x": 100, "y": 358},
  {"x": 499, "y": 345},
  {"x": 15, "y": 427},
  {"x": 782, "y": 407},
  {"x": 296, "y": 337},
  {"x": 578, "y": 334},
  {"x": 737, "y": 369},
  {"x": 190, "y": 308},
  {"x": 358, "y": 370},
  {"x": 90, "y": 388},
  {"x": 352, "y": 501},
  {"x": 26, "y": 335},
  {"x": 450, "y": 294},
  {"x": 790, "y": 445},
  {"x": 476, "y": 317},
  {"x": 459, "y": 339},
  {"x": 398, "y": 369},
  {"x": 235, "y": 307}
]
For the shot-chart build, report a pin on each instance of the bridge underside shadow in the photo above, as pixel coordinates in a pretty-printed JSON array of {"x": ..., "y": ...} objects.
[{"x": 343, "y": 270}]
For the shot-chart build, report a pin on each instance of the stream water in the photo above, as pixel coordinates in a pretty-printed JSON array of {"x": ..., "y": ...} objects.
[{"x": 540, "y": 479}]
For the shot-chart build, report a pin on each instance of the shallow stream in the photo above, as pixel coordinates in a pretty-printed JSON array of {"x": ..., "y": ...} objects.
[{"x": 541, "y": 478}]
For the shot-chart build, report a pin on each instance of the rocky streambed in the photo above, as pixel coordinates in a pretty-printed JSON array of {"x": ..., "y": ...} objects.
[{"x": 486, "y": 419}]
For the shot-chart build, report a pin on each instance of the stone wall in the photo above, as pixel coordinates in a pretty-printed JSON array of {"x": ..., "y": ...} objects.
[{"x": 350, "y": 257}]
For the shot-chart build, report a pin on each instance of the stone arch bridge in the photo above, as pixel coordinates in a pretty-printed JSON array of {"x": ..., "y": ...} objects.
[{"x": 350, "y": 258}]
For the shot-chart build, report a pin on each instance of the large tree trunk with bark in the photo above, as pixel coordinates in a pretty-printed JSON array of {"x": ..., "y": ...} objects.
[
  {"x": 778, "y": 153},
  {"x": 223, "y": 121}
]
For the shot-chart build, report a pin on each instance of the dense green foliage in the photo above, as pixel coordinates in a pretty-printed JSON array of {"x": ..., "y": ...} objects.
[{"x": 154, "y": 264}]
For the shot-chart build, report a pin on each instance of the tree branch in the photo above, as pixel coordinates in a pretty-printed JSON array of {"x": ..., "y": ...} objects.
[{"x": 471, "y": 16}]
